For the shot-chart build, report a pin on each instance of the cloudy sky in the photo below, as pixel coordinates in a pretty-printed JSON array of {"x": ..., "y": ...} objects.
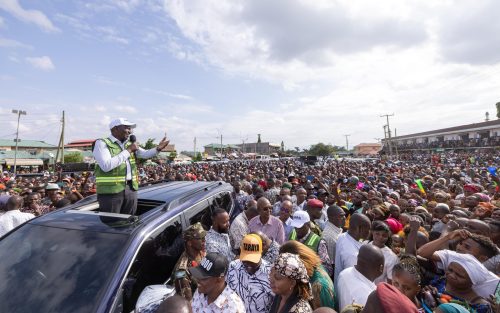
[{"x": 294, "y": 70}]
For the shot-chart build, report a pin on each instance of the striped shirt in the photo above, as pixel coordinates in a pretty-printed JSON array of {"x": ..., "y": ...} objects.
[{"x": 254, "y": 290}]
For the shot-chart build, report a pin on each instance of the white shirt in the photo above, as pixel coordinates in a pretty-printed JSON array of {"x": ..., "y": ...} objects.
[
  {"x": 353, "y": 287},
  {"x": 102, "y": 155},
  {"x": 254, "y": 290},
  {"x": 11, "y": 219},
  {"x": 227, "y": 302},
  {"x": 238, "y": 230},
  {"x": 390, "y": 259},
  {"x": 330, "y": 234},
  {"x": 346, "y": 254}
]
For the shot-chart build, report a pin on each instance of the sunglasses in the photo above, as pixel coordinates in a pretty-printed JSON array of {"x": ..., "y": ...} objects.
[{"x": 284, "y": 210}]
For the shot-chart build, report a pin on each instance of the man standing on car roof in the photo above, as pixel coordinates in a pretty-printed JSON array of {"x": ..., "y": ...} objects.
[{"x": 116, "y": 169}]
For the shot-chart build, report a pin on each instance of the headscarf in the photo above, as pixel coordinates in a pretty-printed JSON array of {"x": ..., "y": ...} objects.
[
  {"x": 472, "y": 188},
  {"x": 393, "y": 301},
  {"x": 483, "y": 281},
  {"x": 482, "y": 197},
  {"x": 452, "y": 308},
  {"x": 290, "y": 265},
  {"x": 394, "y": 225}
]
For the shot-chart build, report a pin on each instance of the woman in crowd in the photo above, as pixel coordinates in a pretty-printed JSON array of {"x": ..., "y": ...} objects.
[
  {"x": 380, "y": 236},
  {"x": 464, "y": 283},
  {"x": 407, "y": 278},
  {"x": 290, "y": 284},
  {"x": 322, "y": 285}
]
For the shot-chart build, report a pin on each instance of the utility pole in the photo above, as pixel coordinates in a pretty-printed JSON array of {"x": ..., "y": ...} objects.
[
  {"x": 243, "y": 145},
  {"x": 395, "y": 135},
  {"x": 221, "y": 147},
  {"x": 61, "y": 142},
  {"x": 194, "y": 150},
  {"x": 388, "y": 132},
  {"x": 19, "y": 113},
  {"x": 347, "y": 142}
]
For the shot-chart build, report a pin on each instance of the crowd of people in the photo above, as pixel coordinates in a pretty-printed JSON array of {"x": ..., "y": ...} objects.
[{"x": 418, "y": 234}]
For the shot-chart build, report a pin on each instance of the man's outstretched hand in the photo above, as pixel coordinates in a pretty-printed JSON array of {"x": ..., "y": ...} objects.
[{"x": 163, "y": 143}]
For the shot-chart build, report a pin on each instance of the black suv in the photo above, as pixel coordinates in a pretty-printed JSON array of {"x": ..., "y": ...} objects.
[{"x": 78, "y": 259}]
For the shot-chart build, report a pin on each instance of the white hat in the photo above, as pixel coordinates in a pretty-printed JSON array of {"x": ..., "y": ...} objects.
[
  {"x": 299, "y": 218},
  {"x": 121, "y": 121},
  {"x": 52, "y": 186}
]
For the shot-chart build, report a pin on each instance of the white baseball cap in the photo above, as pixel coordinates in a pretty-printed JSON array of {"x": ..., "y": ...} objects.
[
  {"x": 299, "y": 218},
  {"x": 121, "y": 121},
  {"x": 52, "y": 186}
]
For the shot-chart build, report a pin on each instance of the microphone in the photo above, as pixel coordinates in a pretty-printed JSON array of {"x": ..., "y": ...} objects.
[{"x": 133, "y": 139}]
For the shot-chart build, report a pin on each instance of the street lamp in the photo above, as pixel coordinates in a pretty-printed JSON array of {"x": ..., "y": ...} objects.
[{"x": 19, "y": 113}]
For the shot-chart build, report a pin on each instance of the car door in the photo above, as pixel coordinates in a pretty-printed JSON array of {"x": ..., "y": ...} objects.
[{"x": 153, "y": 262}]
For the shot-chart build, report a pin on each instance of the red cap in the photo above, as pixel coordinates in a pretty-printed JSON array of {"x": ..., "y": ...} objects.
[{"x": 315, "y": 203}]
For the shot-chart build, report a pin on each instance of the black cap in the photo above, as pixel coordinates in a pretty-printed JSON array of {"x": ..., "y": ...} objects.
[{"x": 212, "y": 265}]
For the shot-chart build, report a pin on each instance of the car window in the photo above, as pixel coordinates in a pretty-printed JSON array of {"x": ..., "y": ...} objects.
[
  {"x": 221, "y": 200},
  {"x": 45, "y": 269},
  {"x": 198, "y": 213},
  {"x": 154, "y": 262}
]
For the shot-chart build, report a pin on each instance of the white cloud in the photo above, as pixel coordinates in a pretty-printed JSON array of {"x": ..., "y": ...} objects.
[
  {"x": 468, "y": 32},
  {"x": 126, "y": 5},
  {"x": 287, "y": 41},
  {"x": 29, "y": 16},
  {"x": 124, "y": 109},
  {"x": 168, "y": 94},
  {"x": 111, "y": 34},
  {"x": 43, "y": 63},
  {"x": 108, "y": 81},
  {"x": 11, "y": 43}
]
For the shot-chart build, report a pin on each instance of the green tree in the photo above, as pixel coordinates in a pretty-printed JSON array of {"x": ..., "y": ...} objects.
[
  {"x": 198, "y": 157},
  {"x": 320, "y": 149},
  {"x": 258, "y": 138},
  {"x": 172, "y": 155},
  {"x": 73, "y": 157},
  {"x": 291, "y": 152},
  {"x": 498, "y": 109},
  {"x": 149, "y": 144}
]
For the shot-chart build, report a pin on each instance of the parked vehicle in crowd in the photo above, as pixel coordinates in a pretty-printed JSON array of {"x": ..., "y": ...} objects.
[{"x": 78, "y": 259}]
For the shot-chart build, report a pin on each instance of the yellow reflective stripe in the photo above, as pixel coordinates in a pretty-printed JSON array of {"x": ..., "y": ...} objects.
[{"x": 110, "y": 179}]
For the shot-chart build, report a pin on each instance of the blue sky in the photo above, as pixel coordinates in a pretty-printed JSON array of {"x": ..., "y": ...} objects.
[{"x": 293, "y": 70}]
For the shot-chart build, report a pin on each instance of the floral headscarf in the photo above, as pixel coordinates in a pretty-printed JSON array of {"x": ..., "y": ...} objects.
[{"x": 290, "y": 265}]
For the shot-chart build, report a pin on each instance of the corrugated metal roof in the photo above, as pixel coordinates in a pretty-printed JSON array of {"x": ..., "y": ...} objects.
[
  {"x": 20, "y": 155},
  {"x": 452, "y": 129},
  {"x": 25, "y": 143},
  {"x": 218, "y": 145}
]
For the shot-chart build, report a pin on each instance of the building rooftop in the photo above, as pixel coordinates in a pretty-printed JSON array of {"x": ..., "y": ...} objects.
[
  {"x": 26, "y": 144},
  {"x": 452, "y": 129},
  {"x": 218, "y": 146}
]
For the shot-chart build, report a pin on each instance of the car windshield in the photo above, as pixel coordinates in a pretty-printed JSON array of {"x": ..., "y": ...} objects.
[{"x": 45, "y": 269}]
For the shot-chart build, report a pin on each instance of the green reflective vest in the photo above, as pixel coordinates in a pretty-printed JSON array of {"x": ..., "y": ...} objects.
[
  {"x": 115, "y": 180},
  {"x": 312, "y": 240}
]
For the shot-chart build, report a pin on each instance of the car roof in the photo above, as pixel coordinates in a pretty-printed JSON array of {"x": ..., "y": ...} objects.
[{"x": 167, "y": 200}]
